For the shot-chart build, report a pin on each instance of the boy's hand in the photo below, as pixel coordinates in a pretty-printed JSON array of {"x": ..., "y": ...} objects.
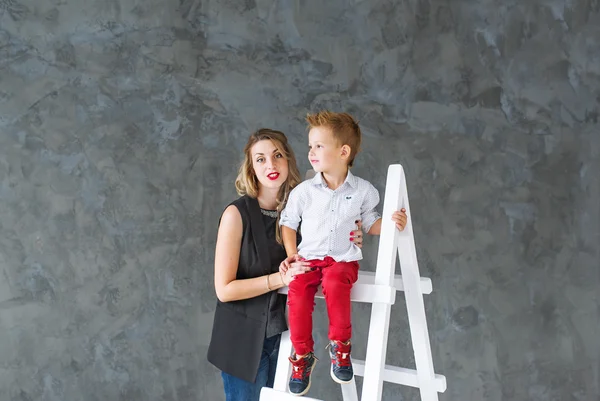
[
  {"x": 400, "y": 219},
  {"x": 291, "y": 267},
  {"x": 287, "y": 263}
]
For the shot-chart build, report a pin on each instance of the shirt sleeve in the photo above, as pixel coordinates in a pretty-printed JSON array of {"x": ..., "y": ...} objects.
[
  {"x": 368, "y": 214},
  {"x": 291, "y": 215}
]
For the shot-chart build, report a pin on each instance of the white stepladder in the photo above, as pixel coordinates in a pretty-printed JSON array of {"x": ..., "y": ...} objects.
[{"x": 379, "y": 289}]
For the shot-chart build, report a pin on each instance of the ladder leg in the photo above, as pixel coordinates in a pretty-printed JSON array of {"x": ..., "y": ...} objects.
[
  {"x": 418, "y": 326},
  {"x": 282, "y": 374},
  {"x": 376, "y": 352},
  {"x": 415, "y": 306},
  {"x": 384, "y": 275}
]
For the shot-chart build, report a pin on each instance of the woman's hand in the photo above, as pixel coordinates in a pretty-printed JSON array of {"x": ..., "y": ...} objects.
[
  {"x": 356, "y": 236},
  {"x": 291, "y": 267}
]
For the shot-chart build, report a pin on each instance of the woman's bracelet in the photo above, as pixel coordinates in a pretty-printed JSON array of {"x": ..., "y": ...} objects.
[
  {"x": 282, "y": 280},
  {"x": 268, "y": 286}
]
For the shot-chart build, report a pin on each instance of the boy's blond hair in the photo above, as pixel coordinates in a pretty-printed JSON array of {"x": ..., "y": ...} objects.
[{"x": 344, "y": 127}]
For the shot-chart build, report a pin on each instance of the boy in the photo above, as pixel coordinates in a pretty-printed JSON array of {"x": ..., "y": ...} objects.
[{"x": 329, "y": 207}]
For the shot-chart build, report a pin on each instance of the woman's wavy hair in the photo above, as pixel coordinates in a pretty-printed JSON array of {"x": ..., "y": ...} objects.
[{"x": 246, "y": 182}]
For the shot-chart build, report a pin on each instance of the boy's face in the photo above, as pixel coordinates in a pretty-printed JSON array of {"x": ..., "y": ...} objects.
[
  {"x": 324, "y": 152},
  {"x": 270, "y": 166}
]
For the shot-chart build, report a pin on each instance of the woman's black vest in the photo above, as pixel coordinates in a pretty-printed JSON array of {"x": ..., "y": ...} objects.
[{"x": 240, "y": 327}]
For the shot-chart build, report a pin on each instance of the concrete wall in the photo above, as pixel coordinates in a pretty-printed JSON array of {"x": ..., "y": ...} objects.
[{"x": 122, "y": 124}]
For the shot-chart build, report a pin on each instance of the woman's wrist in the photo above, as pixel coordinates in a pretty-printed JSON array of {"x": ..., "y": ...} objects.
[{"x": 275, "y": 280}]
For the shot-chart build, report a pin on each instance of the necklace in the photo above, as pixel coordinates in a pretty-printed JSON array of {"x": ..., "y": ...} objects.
[{"x": 269, "y": 213}]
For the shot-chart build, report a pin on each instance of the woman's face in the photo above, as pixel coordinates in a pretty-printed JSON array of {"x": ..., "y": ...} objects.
[{"x": 270, "y": 165}]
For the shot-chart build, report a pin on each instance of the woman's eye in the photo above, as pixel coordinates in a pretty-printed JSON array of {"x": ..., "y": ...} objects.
[
  {"x": 260, "y": 160},
  {"x": 279, "y": 155}
]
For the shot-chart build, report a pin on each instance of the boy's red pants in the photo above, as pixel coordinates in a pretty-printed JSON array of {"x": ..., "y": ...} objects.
[{"x": 337, "y": 279}]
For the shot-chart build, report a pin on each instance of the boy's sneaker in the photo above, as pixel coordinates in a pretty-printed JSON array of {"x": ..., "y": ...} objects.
[
  {"x": 341, "y": 364},
  {"x": 301, "y": 371}
]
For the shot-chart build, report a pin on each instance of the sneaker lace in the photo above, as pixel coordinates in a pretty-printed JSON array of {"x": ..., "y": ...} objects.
[
  {"x": 342, "y": 354},
  {"x": 298, "y": 368}
]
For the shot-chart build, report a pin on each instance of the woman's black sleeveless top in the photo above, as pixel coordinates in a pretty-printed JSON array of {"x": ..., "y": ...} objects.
[{"x": 240, "y": 327}]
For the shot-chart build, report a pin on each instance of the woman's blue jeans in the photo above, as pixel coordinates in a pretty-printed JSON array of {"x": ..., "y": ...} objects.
[{"x": 241, "y": 390}]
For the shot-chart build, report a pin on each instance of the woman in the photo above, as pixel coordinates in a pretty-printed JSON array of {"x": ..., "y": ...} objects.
[{"x": 250, "y": 314}]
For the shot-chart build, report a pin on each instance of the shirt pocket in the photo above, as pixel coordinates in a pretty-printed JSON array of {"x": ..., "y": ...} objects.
[{"x": 350, "y": 207}]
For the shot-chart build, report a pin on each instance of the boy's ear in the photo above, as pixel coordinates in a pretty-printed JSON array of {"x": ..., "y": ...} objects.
[{"x": 346, "y": 151}]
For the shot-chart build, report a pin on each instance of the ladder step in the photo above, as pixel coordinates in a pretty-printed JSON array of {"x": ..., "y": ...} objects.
[
  {"x": 361, "y": 292},
  {"x": 404, "y": 376},
  {"x": 268, "y": 394},
  {"x": 366, "y": 277}
]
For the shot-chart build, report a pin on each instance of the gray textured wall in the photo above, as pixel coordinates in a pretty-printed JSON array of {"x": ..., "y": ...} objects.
[{"x": 122, "y": 123}]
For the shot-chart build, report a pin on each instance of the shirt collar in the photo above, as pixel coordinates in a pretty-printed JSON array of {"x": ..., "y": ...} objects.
[{"x": 350, "y": 179}]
